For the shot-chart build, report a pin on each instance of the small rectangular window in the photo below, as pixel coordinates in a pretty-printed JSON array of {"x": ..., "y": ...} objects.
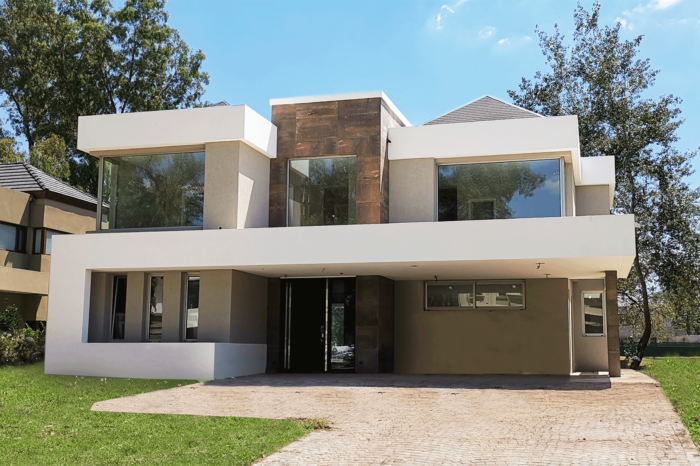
[
  {"x": 38, "y": 240},
  {"x": 593, "y": 313},
  {"x": 444, "y": 296},
  {"x": 155, "y": 309},
  {"x": 509, "y": 295},
  {"x": 192, "y": 308},
  {"x": 13, "y": 237}
]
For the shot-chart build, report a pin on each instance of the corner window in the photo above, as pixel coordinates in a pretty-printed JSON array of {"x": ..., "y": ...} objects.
[
  {"x": 593, "y": 303},
  {"x": 192, "y": 308},
  {"x": 155, "y": 308},
  {"x": 13, "y": 237},
  {"x": 321, "y": 191},
  {"x": 153, "y": 191},
  {"x": 462, "y": 295},
  {"x": 43, "y": 240},
  {"x": 500, "y": 190}
]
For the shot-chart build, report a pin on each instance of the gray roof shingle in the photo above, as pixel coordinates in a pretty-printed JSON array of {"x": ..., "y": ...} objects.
[
  {"x": 24, "y": 177},
  {"x": 485, "y": 108}
]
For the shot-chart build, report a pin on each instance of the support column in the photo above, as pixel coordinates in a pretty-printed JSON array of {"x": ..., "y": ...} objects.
[
  {"x": 135, "y": 325},
  {"x": 215, "y": 291},
  {"x": 173, "y": 295},
  {"x": 100, "y": 307},
  {"x": 613, "y": 330},
  {"x": 274, "y": 326},
  {"x": 374, "y": 339}
]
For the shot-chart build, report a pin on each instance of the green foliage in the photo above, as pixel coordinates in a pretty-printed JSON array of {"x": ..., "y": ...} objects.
[
  {"x": 50, "y": 156},
  {"x": 21, "y": 346},
  {"x": 10, "y": 319},
  {"x": 600, "y": 79},
  {"x": 680, "y": 381},
  {"x": 9, "y": 152},
  {"x": 46, "y": 419},
  {"x": 60, "y": 59}
]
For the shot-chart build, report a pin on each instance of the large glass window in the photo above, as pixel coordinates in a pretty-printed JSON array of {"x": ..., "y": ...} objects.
[
  {"x": 151, "y": 191},
  {"x": 192, "y": 308},
  {"x": 155, "y": 309},
  {"x": 593, "y": 313},
  {"x": 498, "y": 190},
  {"x": 13, "y": 237},
  {"x": 322, "y": 191},
  {"x": 445, "y": 296}
]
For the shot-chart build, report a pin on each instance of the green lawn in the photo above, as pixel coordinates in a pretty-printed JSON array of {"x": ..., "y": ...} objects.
[
  {"x": 46, "y": 419},
  {"x": 680, "y": 381}
]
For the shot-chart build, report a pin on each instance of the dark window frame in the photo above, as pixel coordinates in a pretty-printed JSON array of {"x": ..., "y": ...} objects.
[
  {"x": 43, "y": 232},
  {"x": 474, "y": 306},
  {"x": 20, "y": 238}
]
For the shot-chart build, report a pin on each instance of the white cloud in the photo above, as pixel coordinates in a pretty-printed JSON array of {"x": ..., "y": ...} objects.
[
  {"x": 663, "y": 4},
  {"x": 623, "y": 22},
  {"x": 440, "y": 18},
  {"x": 487, "y": 32},
  {"x": 503, "y": 42},
  {"x": 460, "y": 2}
]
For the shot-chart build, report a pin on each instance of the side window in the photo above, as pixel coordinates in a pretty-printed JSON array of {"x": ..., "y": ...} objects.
[
  {"x": 593, "y": 313},
  {"x": 155, "y": 308},
  {"x": 461, "y": 295},
  {"x": 192, "y": 308},
  {"x": 13, "y": 237}
]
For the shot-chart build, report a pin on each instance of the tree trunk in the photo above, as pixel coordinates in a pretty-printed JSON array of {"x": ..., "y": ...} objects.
[{"x": 644, "y": 341}]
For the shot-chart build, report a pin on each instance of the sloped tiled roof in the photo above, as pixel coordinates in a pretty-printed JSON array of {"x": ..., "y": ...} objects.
[
  {"x": 24, "y": 177},
  {"x": 485, "y": 108}
]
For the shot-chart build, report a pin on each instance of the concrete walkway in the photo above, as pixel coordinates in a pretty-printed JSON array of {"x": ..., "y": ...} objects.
[{"x": 447, "y": 420}]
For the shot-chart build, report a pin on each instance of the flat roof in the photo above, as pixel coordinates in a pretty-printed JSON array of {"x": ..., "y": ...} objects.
[{"x": 350, "y": 96}]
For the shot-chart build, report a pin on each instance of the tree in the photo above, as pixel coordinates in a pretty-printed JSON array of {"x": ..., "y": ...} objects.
[
  {"x": 50, "y": 155},
  {"x": 599, "y": 78},
  {"x": 60, "y": 59},
  {"x": 9, "y": 152}
]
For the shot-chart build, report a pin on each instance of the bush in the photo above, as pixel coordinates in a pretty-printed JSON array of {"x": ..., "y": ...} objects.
[
  {"x": 11, "y": 320},
  {"x": 18, "y": 343}
]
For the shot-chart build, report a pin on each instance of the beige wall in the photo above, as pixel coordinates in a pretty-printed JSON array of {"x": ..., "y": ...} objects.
[
  {"x": 531, "y": 341},
  {"x": 99, "y": 321},
  {"x": 237, "y": 185},
  {"x": 48, "y": 216},
  {"x": 591, "y": 352},
  {"x": 593, "y": 200},
  {"x": 173, "y": 306},
  {"x": 14, "y": 207},
  {"x": 136, "y": 306},
  {"x": 232, "y": 307},
  {"x": 412, "y": 190}
]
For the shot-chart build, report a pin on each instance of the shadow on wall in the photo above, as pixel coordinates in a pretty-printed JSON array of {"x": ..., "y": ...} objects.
[{"x": 456, "y": 382}]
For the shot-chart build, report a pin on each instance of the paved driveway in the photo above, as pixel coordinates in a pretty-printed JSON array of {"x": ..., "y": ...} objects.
[{"x": 441, "y": 420}]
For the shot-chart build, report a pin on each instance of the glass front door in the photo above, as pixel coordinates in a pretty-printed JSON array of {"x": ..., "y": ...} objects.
[{"x": 319, "y": 324}]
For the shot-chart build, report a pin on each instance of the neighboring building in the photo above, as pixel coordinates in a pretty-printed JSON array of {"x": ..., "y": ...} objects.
[
  {"x": 339, "y": 238},
  {"x": 34, "y": 209}
]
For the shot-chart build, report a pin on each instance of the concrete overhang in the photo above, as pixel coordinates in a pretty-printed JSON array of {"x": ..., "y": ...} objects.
[
  {"x": 337, "y": 97},
  {"x": 102, "y": 135},
  {"x": 572, "y": 247},
  {"x": 23, "y": 281}
]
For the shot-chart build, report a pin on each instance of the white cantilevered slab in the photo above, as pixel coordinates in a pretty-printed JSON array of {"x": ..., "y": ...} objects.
[
  {"x": 173, "y": 128},
  {"x": 490, "y": 140},
  {"x": 596, "y": 171}
]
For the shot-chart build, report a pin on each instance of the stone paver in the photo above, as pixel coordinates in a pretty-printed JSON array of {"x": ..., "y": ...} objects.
[{"x": 447, "y": 420}]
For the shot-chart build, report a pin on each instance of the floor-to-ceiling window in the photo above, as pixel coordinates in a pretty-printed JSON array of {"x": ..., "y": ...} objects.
[
  {"x": 155, "y": 308},
  {"x": 321, "y": 191},
  {"x": 499, "y": 190},
  {"x": 192, "y": 308},
  {"x": 152, "y": 191}
]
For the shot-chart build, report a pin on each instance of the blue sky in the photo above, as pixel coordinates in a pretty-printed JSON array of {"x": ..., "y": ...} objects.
[{"x": 427, "y": 56}]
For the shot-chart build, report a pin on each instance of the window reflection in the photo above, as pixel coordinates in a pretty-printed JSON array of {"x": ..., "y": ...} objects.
[
  {"x": 593, "y": 313},
  {"x": 322, "y": 191},
  {"x": 155, "y": 323},
  {"x": 149, "y": 191},
  {"x": 192, "y": 311},
  {"x": 484, "y": 191}
]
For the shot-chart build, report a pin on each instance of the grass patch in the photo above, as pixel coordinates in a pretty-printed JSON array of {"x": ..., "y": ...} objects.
[
  {"x": 680, "y": 381},
  {"x": 46, "y": 420}
]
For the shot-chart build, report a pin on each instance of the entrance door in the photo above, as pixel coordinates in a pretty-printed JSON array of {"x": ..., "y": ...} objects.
[{"x": 319, "y": 323}]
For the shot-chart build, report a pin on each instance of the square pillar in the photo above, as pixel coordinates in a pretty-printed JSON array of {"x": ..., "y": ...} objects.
[
  {"x": 613, "y": 330},
  {"x": 136, "y": 289},
  {"x": 215, "y": 290},
  {"x": 100, "y": 324},
  {"x": 374, "y": 338},
  {"x": 173, "y": 294}
]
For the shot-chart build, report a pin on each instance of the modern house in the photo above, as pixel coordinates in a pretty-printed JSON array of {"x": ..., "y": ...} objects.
[
  {"x": 339, "y": 238},
  {"x": 34, "y": 209}
]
